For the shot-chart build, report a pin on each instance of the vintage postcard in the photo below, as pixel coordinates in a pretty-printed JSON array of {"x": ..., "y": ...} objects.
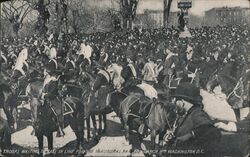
[{"x": 124, "y": 78}]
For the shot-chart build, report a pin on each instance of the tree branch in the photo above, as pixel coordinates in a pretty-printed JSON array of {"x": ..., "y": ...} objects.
[
  {"x": 25, "y": 14},
  {"x": 5, "y": 7},
  {"x": 5, "y": 12}
]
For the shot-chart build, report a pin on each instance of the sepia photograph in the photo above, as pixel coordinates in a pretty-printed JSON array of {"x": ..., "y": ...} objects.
[{"x": 124, "y": 78}]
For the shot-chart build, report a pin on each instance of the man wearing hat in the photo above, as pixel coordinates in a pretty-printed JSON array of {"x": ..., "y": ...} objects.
[
  {"x": 103, "y": 59},
  {"x": 191, "y": 67},
  {"x": 129, "y": 73},
  {"x": 194, "y": 129}
]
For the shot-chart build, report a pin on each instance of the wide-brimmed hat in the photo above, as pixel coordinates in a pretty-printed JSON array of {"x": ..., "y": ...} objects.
[{"x": 188, "y": 92}]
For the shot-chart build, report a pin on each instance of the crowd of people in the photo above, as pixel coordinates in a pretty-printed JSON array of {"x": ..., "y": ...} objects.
[
  {"x": 205, "y": 52},
  {"x": 158, "y": 57}
]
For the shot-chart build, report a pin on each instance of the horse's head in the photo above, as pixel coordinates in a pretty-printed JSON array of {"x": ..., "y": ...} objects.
[{"x": 163, "y": 115}]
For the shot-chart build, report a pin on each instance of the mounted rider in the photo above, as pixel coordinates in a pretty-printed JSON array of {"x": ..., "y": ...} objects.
[
  {"x": 21, "y": 64},
  {"x": 171, "y": 66},
  {"x": 149, "y": 72},
  {"x": 191, "y": 67},
  {"x": 115, "y": 73},
  {"x": 129, "y": 73},
  {"x": 50, "y": 94}
]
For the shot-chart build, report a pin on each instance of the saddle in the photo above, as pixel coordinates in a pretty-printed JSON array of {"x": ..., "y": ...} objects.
[
  {"x": 73, "y": 90},
  {"x": 144, "y": 109},
  {"x": 145, "y": 106}
]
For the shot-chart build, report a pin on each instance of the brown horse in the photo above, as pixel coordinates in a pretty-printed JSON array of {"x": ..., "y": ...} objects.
[
  {"x": 157, "y": 117},
  {"x": 44, "y": 119},
  {"x": 5, "y": 135},
  {"x": 82, "y": 92},
  {"x": 8, "y": 106},
  {"x": 97, "y": 104}
]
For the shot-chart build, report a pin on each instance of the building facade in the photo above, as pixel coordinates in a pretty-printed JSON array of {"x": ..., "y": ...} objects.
[
  {"x": 227, "y": 16},
  {"x": 154, "y": 19}
]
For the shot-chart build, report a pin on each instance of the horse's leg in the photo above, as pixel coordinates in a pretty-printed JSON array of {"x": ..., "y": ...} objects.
[
  {"x": 94, "y": 124},
  {"x": 122, "y": 123},
  {"x": 88, "y": 128},
  {"x": 80, "y": 142},
  {"x": 50, "y": 143},
  {"x": 105, "y": 123},
  {"x": 40, "y": 144},
  {"x": 100, "y": 124},
  {"x": 153, "y": 137},
  {"x": 237, "y": 114},
  {"x": 161, "y": 140}
]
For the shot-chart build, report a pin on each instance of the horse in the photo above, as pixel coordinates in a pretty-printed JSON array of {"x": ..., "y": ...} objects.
[
  {"x": 234, "y": 88},
  {"x": 8, "y": 106},
  {"x": 44, "y": 118},
  {"x": 158, "y": 117},
  {"x": 5, "y": 135},
  {"x": 81, "y": 92},
  {"x": 99, "y": 104}
]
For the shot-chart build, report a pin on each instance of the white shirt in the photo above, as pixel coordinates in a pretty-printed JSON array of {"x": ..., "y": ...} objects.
[{"x": 52, "y": 53}]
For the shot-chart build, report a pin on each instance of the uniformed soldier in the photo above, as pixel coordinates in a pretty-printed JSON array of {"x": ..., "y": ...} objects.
[
  {"x": 21, "y": 65},
  {"x": 169, "y": 65},
  {"x": 129, "y": 73},
  {"x": 115, "y": 73},
  {"x": 149, "y": 73},
  {"x": 191, "y": 68}
]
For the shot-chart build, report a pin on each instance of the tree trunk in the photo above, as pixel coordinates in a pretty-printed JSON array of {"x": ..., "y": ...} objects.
[
  {"x": 16, "y": 28},
  {"x": 165, "y": 14},
  {"x": 167, "y": 6},
  {"x": 130, "y": 23},
  {"x": 75, "y": 19}
]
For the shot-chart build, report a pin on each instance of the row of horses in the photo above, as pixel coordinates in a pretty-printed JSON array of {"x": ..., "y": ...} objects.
[{"x": 136, "y": 112}]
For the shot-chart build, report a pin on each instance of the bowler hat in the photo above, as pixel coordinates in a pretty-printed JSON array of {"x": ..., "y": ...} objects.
[{"x": 188, "y": 92}]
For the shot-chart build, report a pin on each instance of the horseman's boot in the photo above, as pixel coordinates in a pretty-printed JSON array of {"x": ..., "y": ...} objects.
[{"x": 60, "y": 131}]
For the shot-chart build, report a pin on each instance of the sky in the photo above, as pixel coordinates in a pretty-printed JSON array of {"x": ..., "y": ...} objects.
[{"x": 199, "y": 6}]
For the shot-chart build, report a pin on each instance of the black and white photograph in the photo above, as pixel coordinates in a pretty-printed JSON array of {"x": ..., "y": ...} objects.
[{"x": 124, "y": 78}]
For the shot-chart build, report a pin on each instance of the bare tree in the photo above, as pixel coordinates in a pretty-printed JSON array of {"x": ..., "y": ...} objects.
[
  {"x": 128, "y": 12},
  {"x": 15, "y": 12},
  {"x": 78, "y": 10},
  {"x": 43, "y": 15},
  {"x": 62, "y": 19}
]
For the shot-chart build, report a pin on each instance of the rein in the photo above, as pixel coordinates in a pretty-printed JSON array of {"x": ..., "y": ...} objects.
[{"x": 235, "y": 89}]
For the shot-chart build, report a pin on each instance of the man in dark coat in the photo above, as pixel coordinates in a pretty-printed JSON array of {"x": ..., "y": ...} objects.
[
  {"x": 129, "y": 73},
  {"x": 195, "y": 130},
  {"x": 170, "y": 63}
]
